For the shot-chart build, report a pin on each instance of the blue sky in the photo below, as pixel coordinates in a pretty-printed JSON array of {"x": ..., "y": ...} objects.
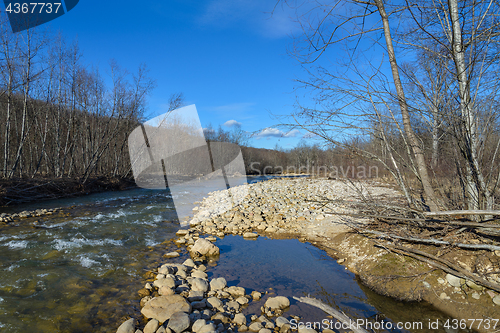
[{"x": 226, "y": 56}]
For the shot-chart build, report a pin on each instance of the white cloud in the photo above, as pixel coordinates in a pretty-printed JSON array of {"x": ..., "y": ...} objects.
[
  {"x": 231, "y": 123},
  {"x": 276, "y": 133}
]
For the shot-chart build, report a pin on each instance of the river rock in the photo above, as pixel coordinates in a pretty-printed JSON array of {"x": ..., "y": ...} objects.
[
  {"x": 473, "y": 285},
  {"x": 143, "y": 292},
  {"x": 178, "y": 322},
  {"x": 163, "y": 307},
  {"x": 189, "y": 263},
  {"x": 199, "y": 304},
  {"x": 214, "y": 302},
  {"x": 242, "y": 300},
  {"x": 236, "y": 291},
  {"x": 210, "y": 327},
  {"x": 203, "y": 247},
  {"x": 165, "y": 291},
  {"x": 256, "y": 295},
  {"x": 496, "y": 299},
  {"x": 453, "y": 280},
  {"x": 218, "y": 284},
  {"x": 127, "y": 326},
  {"x": 195, "y": 296},
  {"x": 167, "y": 269},
  {"x": 199, "y": 274},
  {"x": 163, "y": 330},
  {"x": 265, "y": 330},
  {"x": 164, "y": 282},
  {"x": 233, "y": 306},
  {"x": 277, "y": 303},
  {"x": 250, "y": 235},
  {"x": 255, "y": 326},
  {"x": 198, "y": 324},
  {"x": 182, "y": 232},
  {"x": 171, "y": 255},
  {"x": 198, "y": 284},
  {"x": 239, "y": 319},
  {"x": 151, "y": 326}
]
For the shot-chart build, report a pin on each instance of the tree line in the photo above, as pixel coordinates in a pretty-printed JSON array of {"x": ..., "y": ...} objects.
[
  {"x": 417, "y": 82},
  {"x": 60, "y": 117}
]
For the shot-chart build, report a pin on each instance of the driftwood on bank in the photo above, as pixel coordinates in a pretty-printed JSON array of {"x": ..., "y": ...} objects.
[
  {"x": 435, "y": 241},
  {"x": 463, "y": 212},
  {"x": 351, "y": 324},
  {"x": 443, "y": 264}
]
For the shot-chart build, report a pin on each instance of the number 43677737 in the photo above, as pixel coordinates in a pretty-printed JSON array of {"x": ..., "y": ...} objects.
[{"x": 33, "y": 7}]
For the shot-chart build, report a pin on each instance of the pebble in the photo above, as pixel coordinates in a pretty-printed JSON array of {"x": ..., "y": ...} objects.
[
  {"x": 453, "y": 280},
  {"x": 496, "y": 299},
  {"x": 178, "y": 322}
]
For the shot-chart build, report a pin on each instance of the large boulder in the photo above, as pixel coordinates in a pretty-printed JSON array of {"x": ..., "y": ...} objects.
[
  {"x": 203, "y": 247},
  {"x": 163, "y": 307}
]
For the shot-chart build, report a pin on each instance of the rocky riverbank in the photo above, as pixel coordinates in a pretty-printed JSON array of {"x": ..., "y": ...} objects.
[{"x": 298, "y": 208}]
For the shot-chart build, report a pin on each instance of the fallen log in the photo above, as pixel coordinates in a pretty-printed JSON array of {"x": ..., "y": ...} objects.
[
  {"x": 443, "y": 264},
  {"x": 435, "y": 241},
  {"x": 462, "y": 212},
  {"x": 351, "y": 324}
]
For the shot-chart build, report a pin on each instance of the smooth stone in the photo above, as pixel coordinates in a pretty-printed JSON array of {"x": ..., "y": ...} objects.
[
  {"x": 210, "y": 327},
  {"x": 256, "y": 295},
  {"x": 127, "y": 326},
  {"x": 198, "y": 284},
  {"x": 214, "y": 302},
  {"x": 204, "y": 247},
  {"x": 236, "y": 291},
  {"x": 475, "y": 295},
  {"x": 265, "y": 330},
  {"x": 165, "y": 282},
  {"x": 277, "y": 303},
  {"x": 243, "y": 328},
  {"x": 280, "y": 321},
  {"x": 189, "y": 263},
  {"x": 195, "y": 296},
  {"x": 163, "y": 307},
  {"x": 250, "y": 235},
  {"x": 199, "y": 305},
  {"x": 444, "y": 296},
  {"x": 453, "y": 280},
  {"x": 220, "y": 316},
  {"x": 198, "y": 325},
  {"x": 242, "y": 300},
  {"x": 473, "y": 285},
  {"x": 178, "y": 322},
  {"x": 199, "y": 274},
  {"x": 162, "y": 330},
  {"x": 255, "y": 327},
  {"x": 165, "y": 291},
  {"x": 151, "y": 326},
  {"x": 232, "y": 305},
  {"x": 171, "y": 255},
  {"x": 218, "y": 284},
  {"x": 239, "y": 319},
  {"x": 496, "y": 299},
  {"x": 182, "y": 232}
]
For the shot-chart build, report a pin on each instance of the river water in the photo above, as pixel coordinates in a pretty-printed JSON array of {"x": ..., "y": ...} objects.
[{"x": 79, "y": 270}]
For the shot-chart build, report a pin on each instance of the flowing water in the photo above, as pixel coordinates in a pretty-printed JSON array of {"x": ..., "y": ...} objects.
[{"x": 79, "y": 270}]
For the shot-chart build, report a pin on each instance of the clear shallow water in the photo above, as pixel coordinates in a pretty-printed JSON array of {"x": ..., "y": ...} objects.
[{"x": 81, "y": 270}]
